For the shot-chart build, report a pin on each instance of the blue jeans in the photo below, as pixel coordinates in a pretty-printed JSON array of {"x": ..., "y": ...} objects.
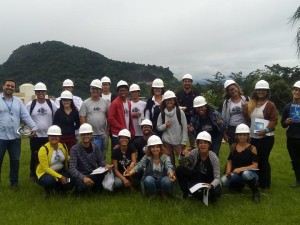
[
  {"x": 152, "y": 185},
  {"x": 48, "y": 182},
  {"x": 14, "y": 150},
  {"x": 234, "y": 179}
]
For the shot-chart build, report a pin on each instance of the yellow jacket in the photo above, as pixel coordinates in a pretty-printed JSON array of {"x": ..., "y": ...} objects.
[{"x": 45, "y": 158}]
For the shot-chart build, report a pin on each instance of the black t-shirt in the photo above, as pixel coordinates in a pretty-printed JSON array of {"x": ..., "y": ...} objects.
[
  {"x": 124, "y": 160},
  {"x": 243, "y": 158},
  {"x": 139, "y": 145},
  {"x": 203, "y": 170},
  {"x": 186, "y": 100},
  {"x": 207, "y": 125}
]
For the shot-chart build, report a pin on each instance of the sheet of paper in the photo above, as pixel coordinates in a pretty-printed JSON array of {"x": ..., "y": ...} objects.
[
  {"x": 99, "y": 170},
  {"x": 197, "y": 187},
  {"x": 205, "y": 196}
]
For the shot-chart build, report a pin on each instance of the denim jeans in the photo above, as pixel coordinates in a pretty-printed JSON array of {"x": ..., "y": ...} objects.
[
  {"x": 14, "y": 150},
  {"x": 153, "y": 185},
  {"x": 234, "y": 179},
  {"x": 102, "y": 142},
  {"x": 48, "y": 182}
]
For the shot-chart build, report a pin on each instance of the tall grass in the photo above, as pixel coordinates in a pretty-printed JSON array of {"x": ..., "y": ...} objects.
[{"x": 279, "y": 205}]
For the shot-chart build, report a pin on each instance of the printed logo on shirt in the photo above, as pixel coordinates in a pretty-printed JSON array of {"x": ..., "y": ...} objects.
[
  {"x": 42, "y": 111},
  {"x": 126, "y": 111},
  {"x": 236, "y": 110},
  {"x": 125, "y": 162},
  {"x": 135, "y": 110},
  {"x": 97, "y": 109}
]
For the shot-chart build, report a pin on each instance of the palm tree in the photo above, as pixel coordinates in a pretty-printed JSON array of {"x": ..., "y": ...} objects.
[{"x": 293, "y": 20}]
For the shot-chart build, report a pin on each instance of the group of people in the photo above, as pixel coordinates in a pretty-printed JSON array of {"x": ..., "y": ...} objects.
[{"x": 148, "y": 138}]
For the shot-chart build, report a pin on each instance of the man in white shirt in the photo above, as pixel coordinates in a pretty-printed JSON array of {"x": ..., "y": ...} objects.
[
  {"x": 106, "y": 94},
  {"x": 41, "y": 111}
]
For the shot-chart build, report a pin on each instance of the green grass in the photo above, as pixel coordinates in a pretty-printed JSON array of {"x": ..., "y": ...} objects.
[{"x": 279, "y": 205}]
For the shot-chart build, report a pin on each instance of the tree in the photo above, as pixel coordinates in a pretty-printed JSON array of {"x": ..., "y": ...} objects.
[{"x": 294, "y": 20}]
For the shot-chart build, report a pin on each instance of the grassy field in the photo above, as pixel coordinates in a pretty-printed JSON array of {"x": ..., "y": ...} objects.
[{"x": 279, "y": 205}]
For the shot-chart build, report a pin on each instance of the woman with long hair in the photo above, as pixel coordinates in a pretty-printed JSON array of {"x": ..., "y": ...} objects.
[{"x": 67, "y": 118}]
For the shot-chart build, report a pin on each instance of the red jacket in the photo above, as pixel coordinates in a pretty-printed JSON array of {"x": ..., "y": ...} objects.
[{"x": 116, "y": 117}]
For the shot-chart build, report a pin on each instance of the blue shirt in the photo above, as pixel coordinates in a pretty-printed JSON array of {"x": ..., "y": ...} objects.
[{"x": 11, "y": 112}]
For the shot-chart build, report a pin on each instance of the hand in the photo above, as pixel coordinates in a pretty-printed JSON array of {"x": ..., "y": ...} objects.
[
  {"x": 128, "y": 173},
  {"x": 63, "y": 180},
  {"x": 168, "y": 124},
  {"x": 237, "y": 171},
  {"x": 288, "y": 121},
  {"x": 172, "y": 176},
  {"x": 32, "y": 133},
  {"x": 186, "y": 151},
  {"x": 261, "y": 133},
  {"x": 190, "y": 128},
  {"x": 88, "y": 181},
  {"x": 226, "y": 137},
  {"x": 108, "y": 166},
  {"x": 219, "y": 122},
  {"x": 126, "y": 183}
]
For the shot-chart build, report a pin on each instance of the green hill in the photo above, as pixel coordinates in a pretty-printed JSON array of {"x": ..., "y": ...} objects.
[{"x": 52, "y": 62}]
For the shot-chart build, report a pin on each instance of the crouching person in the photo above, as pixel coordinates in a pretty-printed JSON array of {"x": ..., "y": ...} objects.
[
  {"x": 53, "y": 164},
  {"x": 158, "y": 170},
  {"x": 199, "y": 166},
  {"x": 84, "y": 159},
  {"x": 242, "y": 163}
]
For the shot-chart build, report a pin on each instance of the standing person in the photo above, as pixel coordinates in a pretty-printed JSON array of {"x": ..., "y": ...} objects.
[
  {"x": 53, "y": 164},
  {"x": 137, "y": 109},
  {"x": 119, "y": 116},
  {"x": 261, "y": 108},
  {"x": 206, "y": 118},
  {"x": 172, "y": 123},
  {"x": 185, "y": 99},
  {"x": 233, "y": 110},
  {"x": 290, "y": 120},
  {"x": 41, "y": 111},
  {"x": 68, "y": 85},
  {"x": 94, "y": 111},
  {"x": 12, "y": 111},
  {"x": 242, "y": 163},
  {"x": 158, "y": 170},
  {"x": 140, "y": 143},
  {"x": 85, "y": 157},
  {"x": 199, "y": 166},
  {"x": 106, "y": 94},
  {"x": 67, "y": 118},
  {"x": 152, "y": 109},
  {"x": 124, "y": 159}
]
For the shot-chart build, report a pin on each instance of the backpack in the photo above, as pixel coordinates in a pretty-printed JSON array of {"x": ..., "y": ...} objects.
[
  {"x": 178, "y": 114},
  {"x": 34, "y": 103}
]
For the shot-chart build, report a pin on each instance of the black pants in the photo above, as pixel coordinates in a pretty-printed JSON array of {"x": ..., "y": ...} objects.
[
  {"x": 96, "y": 187},
  {"x": 293, "y": 146},
  {"x": 35, "y": 144},
  {"x": 187, "y": 178},
  {"x": 264, "y": 146},
  {"x": 231, "y": 134}
]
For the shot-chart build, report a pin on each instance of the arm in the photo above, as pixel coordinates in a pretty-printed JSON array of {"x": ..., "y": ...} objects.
[
  {"x": 183, "y": 128},
  {"x": 160, "y": 126},
  {"x": 82, "y": 113},
  {"x": 44, "y": 163},
  {"x": 285, "y": 119},
  {"x": 216, "y": 168}
]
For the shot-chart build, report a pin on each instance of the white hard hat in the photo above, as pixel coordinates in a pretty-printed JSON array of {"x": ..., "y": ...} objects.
[
  {"x": 96, "y": 83},
  {"x": 262, "y": 84},
  {"x": 154, "y": 140},
  {"x": 199, "y": 101},
  {"x": 122, "y": 83},
  {"x": 68, "y": 83},
  {"x": 228, "y": 82},
  {"x": 134, "y": 87},
  {"x": 242, "y": 129},
  {"x": 204, "y": 135},
  {"x": 187, "y": 76},
  {"x": 105, "y": 79},
  {"x": 54, "y": 130},
  {"x": 66, "y": 95},
  {"x": 40, "y": 87},
  {"x": 169, "y": 94},
  {"x": 124, "y": 133},
  {"x": 85, "y": 128},
  {"x": 146, "y": 122},
  {"x": 297, "y": 84},
  {"x": 158, "y": 83}
]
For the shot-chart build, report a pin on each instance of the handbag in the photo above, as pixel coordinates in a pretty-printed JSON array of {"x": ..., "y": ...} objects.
[{"x": 108, "y": 181}]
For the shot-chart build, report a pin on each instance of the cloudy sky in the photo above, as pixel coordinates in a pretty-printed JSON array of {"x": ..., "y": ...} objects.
[{"x": 199, "y": 37}]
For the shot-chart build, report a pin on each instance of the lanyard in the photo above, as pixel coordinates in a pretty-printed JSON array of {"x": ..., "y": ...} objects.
[{"x": 9, "y": 107}]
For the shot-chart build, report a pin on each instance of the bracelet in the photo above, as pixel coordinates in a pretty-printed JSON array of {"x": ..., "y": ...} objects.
[{"x": 267, "y": 130}]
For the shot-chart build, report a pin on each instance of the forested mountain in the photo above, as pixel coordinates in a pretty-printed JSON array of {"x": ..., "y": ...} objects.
[{"x": 52, "y": 62}]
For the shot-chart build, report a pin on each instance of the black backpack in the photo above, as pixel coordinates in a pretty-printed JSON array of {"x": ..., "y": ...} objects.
[{"x": 34, "y": 103}]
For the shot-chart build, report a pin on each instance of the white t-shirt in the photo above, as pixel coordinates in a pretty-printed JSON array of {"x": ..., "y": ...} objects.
[
  {"x": 95, "y": 113},
  {"x": 236, "y": 114},
  {"x": 107, "y": 98},
  {"x": 126, "y": 112},
  {"x": 138, "y": 107},
  {"x": 57, "y": 160},
  {"x": 42, "y": 116}
]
